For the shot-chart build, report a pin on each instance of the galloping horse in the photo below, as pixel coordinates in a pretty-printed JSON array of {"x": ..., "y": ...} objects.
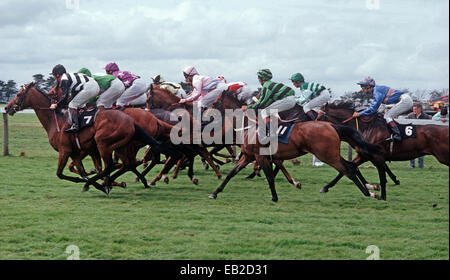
[
  {"x": 319, "y": 138},
  {"x": 162, "y": 99},
  {"x": 112, "y": 131},
  {"x": 429, "y": 140}
]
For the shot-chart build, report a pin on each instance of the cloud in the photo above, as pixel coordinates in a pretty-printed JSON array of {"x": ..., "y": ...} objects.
[{"x": 337, "y": 43}]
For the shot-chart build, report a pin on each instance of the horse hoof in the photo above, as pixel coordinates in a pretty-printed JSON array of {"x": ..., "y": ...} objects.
[
  {"x": 219, "y": 177},
  {"x": 298, "y": 185},
  {"x": 374, "y": 195},
  {"x": 195, "y": 181},
  {"x": 397, "y": 182},
  {"x": 206, "y": 166},
  {"x": 166, "y": 180},
  {"x": 274, "y": 199},
  {"x": 212, "y": 196},
  {"x": 152, "y": 183},
  {"x": 323, "y": 190},
  {"x": 123, "y": 185},
  {"x": 85, "y": 189}
]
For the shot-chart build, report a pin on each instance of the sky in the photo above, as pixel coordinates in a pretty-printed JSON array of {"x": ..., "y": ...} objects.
[{"x": 399, "y": 43}]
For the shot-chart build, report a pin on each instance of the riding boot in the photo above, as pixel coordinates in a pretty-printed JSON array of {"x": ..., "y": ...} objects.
[
  {"x": 396, "y": 136},
  {"x": 310, "y": 115},
  {"x": 75, "y": 122}
]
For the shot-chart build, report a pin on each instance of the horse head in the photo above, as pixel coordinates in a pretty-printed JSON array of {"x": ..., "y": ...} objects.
[
  {"x": 19, "y": 102},
  {"x": 336, "y": 111}
]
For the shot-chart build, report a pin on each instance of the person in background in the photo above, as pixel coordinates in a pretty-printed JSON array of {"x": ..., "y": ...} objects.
[
  {"x": 441, "y": 115},
  {"x": 417, "y": 113}
]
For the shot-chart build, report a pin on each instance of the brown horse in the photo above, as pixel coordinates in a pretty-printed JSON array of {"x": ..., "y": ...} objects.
[
  {"x": 430, "y": 139},
  {"x": 112, "y": 131},
  {"x": 322, "y": 139}
]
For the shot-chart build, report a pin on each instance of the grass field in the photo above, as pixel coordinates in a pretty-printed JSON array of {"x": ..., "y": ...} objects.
[{"x": 40, "y": 215}]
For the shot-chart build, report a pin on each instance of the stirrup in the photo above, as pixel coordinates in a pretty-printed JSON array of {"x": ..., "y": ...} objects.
[{"x": 72, "y": 129}]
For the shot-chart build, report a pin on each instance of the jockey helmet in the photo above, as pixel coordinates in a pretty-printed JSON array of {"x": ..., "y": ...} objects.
[
  {"x": 58, "y": 70},
  {"x": 112, "y": 66},
  {"x": 85, "y": 71},
  {"x": 264, "y": 74},
  {"x": 190, "y": 71},
  {"x": 221, "y": 78},
  {"x": 158, "y": 79},
  {"x": 367, "y": 82},
  {"x": 297, "y": 77}
]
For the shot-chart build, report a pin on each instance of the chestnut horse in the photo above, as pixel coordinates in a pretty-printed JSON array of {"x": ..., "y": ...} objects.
[
  {"x": 430, "y": 139},
  {"x": 112, "y": 131},
  {"x": 322, "y": 139}
]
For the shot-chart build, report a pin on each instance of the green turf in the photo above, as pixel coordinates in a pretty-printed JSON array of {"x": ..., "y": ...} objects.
[{"x": 41, "y": 215}]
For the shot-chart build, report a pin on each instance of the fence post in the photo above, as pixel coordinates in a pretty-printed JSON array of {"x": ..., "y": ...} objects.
[
  {"x": 5, "y": 134},
  {"x": 349, "y": 153}
]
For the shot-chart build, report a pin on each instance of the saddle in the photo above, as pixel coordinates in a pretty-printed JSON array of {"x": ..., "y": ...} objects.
[{"x": 86, "y": 117}]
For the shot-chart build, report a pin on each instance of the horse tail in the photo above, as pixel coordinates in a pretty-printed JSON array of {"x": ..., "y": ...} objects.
[
  {"x": 141, "y": 135},
  {"x": 355, "y": 139}
]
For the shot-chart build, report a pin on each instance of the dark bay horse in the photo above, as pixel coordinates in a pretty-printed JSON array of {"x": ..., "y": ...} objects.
[
  {"x": 430, "y": 139},
  {"x": 112, "y": 131},
  {"x": 322, "y": 139}
]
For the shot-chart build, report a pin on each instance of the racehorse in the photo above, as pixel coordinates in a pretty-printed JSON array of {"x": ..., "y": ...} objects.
[
  {"x": 429, "y": 140},
  {"x": 319, "y": 138},
  {"x": 162, "y": 99},
  {"x": 111, "y": 131}
]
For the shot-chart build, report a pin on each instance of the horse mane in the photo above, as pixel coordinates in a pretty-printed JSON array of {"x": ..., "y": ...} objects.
[
  {"x": 342, "y": 104},
  {"x": 232, "y": 95},
  {"x": 164, "y": 90}
]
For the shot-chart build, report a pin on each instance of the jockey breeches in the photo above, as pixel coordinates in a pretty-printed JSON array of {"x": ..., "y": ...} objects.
[
  {"x": 404, "y": 105},
  {"x": 246, "y": 95},
  {"x": 317, "y": 101},
  {"x": 109, "y": 96},
  {"x": 137, "y": 89},
  {"x": 209, "y": 98},
  {"x": 279, "y": 106},
  {"x": 90, "y": 90}
]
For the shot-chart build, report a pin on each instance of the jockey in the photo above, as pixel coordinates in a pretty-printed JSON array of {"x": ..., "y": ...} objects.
[
  {"x": 205, "y": 89},
  {"x": 78, "y": 88},
  {"x": 135, "y": 87},
  {"x": 111, "y": 88},
  {"x": 311, "y": 95},
  {"x": 275, "y": 96},
  {"x": 386, "y": 95},
  {"x": 174, "y": 88}
]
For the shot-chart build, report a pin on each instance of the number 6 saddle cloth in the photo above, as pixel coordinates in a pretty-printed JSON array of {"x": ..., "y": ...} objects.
[{"x": 407, "y": 130}]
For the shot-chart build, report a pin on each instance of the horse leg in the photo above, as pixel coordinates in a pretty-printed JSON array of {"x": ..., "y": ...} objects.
[
  {"x": 207, "y": 156},
  {"x": 383, "y": 181},
  {"x": 279, "y": 165},
  {"x": 266, "y": 166},
  {"x": 391, "y": 175},
  {"x": 243, "y": 162},
  {"x": 167, "y": 166},
  {"x": 255, "y": 172},
  {"x": 177, "y": 168},
  {"x": 191, "y": 171},
  {"x": 332, "y": 183}
]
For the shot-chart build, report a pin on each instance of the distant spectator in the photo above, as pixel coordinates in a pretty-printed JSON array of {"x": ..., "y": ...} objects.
[
  {"x": 417, "y": 114},
  {"x": 441, "y": 115}
]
